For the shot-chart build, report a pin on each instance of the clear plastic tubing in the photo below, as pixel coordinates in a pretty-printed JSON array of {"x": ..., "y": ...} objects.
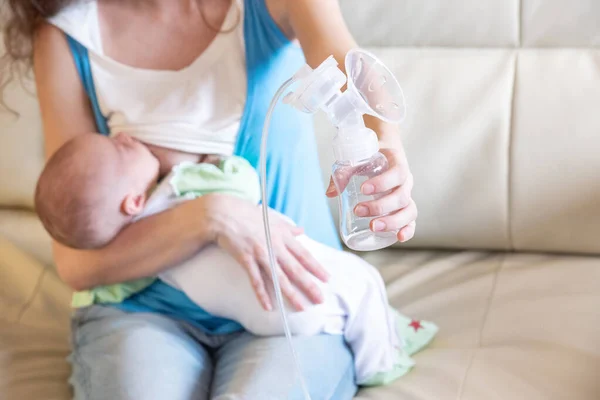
[{"x": 265, "y": 210}]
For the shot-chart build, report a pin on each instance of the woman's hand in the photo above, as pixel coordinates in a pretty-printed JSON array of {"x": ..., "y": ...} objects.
[
  {"x": 321, "y": 30},
  {"x": 237, "y": 227},
  {"x": 398, "y": 206}
]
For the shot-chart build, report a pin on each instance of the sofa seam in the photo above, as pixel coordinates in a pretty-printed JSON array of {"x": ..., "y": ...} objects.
[
  {"x": 510, "y": 158},
  {"x": 520, "y": 23},
  {"x": 482, "y": 327},
  {"x": 36, "y": 290}
]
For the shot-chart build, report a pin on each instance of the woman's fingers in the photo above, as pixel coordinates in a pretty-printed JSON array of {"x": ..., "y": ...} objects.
[
  {"x": 240, "y": 233},
  {"x": 307, "y": 261},
  {"x": 249, "y": 263},
  {"x": 331, "y": 189},
  {"x": 390, "y": 179},
  {"x": 342, "y": 177},
  {"x": 407, "y": 233},
  {"x": 287, "y": 289},
  {"x": 296, "y": 230},
  {"x": 397, "y": 220},
  {"x": 399, "y": 198},
  {"x": 300, "y": 278}
]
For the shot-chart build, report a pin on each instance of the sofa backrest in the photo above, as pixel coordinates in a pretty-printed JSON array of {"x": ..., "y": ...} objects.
[
  {"x": 503, "y": 130},
  {"x": 503, "y": 125}
]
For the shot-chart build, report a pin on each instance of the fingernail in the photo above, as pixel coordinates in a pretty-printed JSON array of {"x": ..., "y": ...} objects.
[
  {"x": 368, "y": 189},
  {"x": 361, "y": 211},
  {"x": 318, "y": 296},
  {"x": 268, "y": 307},
  {"x": 378, "y": 226},
  {"x": 330, "y": 190}
]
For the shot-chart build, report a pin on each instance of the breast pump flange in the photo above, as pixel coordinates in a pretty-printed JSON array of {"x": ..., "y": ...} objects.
[{"x": 371, "y": 89}]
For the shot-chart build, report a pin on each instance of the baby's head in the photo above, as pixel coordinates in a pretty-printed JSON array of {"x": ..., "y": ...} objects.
[{"x": 92, "y": 187}]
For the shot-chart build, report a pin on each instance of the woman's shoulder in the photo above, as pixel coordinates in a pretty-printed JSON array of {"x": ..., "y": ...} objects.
[
  {"x": 50, "y": 52},
  {"x": 79, "y": 20},
  {"x": 278, "y": 9}
]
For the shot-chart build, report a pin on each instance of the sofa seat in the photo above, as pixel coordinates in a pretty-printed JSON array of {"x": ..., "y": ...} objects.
[{"x": 512, "y": 326}]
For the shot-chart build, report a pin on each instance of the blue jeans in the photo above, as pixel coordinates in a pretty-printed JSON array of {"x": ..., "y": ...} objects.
[{"x": 119, "y": 356}]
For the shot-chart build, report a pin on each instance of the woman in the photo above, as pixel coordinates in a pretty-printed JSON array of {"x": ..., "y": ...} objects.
[{"x": 91, "y": 61}]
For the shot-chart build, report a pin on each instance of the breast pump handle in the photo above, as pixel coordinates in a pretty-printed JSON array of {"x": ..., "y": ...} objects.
[{"x": 372, "y": 89}]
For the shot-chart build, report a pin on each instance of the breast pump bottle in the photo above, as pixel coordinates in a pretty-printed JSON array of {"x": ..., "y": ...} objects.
[{"x": 371, "y": 89}]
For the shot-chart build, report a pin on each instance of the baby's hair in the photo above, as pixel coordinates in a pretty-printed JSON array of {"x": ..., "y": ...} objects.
[{"x": 62, "y": 201}]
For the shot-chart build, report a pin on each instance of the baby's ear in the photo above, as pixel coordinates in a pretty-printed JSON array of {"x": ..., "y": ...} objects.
[{"x": 133, "y": 204}]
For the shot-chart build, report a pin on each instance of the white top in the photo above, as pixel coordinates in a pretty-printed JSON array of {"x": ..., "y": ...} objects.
[{"x": 197, "y": 109}]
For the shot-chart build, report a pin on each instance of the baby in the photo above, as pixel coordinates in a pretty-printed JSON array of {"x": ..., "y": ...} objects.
[{"x": 94, "y": 186}]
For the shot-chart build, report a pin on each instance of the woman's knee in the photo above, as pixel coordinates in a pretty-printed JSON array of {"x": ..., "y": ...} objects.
[
  {"x": 261, "y": 368},
  {"x": 120, "y": 356},
  {"x": 328, "y": 367}
]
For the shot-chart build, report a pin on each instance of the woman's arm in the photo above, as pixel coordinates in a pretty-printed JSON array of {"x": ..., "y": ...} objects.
[
  {"x": 320, "y": 28},
  {"x": 153, "y": 244},
  {"x": 142, "y": 249}
]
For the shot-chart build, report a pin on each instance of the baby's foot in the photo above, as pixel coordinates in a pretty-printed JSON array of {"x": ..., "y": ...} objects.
[
  {"x": 401, "y": 367},
  {"x": 416, "y": 334}
]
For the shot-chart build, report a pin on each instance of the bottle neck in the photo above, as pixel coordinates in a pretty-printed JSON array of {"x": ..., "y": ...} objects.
[{"x": 354, "y": 144}]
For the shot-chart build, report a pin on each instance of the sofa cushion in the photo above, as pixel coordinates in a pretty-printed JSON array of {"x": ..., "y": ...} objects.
[
  {"x": 24, "y": 229},
  {"x": 555, "y": 162},
  {"x": 512, "y": 326},
  {"x": 519, "y": 327},
  {"x": 503, "y": 145},
  {"x": 434, "y": 23},
  {"x": 21, "y": 145},
  {"x": 557, "y": 23},
  {"x": 34, "y": 335}
]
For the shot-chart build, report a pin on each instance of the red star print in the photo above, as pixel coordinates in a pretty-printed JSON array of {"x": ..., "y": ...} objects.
[{"x": 416, "y": 325}]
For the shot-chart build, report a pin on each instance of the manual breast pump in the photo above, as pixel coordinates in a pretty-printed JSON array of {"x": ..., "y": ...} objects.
[{"x": 371, "y": 89}]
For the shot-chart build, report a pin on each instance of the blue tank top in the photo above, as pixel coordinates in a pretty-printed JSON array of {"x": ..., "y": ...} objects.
[{"x": 293, "y": 174}]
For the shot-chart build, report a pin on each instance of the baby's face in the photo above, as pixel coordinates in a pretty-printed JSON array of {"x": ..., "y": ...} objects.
[
  {"x": 128, "y": 171},
  {"x": 135, "y": 163},
  {"x": 103, "y": 184}
]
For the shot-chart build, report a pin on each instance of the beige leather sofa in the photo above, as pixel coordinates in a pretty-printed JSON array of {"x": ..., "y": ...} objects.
[{"x": 503, "y": 134}]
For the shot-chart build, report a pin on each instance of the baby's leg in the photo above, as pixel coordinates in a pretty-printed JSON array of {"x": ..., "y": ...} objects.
[
  {"x": 370, "y": 327},
  {"x": 355, "y": 305},
  {"x": 373, "y": 330},
  {"x": 217, "y": 283}
]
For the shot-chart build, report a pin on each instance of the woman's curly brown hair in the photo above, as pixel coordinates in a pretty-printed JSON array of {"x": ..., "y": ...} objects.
[{"x": 19, "y": 20}]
